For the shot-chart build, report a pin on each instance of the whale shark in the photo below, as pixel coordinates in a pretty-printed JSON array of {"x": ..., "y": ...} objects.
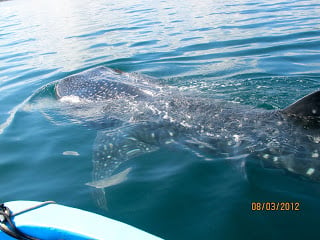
[{"x": 139, "y": 116}]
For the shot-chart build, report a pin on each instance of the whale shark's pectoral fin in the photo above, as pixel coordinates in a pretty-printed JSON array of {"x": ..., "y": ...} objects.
[
  {"x": 111, "y": 149},
  {"x": 110, "y": 181},
  {"x": 101, "y": 184},
  {"x": 306, "y": 107}
]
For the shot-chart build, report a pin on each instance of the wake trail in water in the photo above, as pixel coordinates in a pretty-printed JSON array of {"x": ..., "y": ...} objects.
[{"x": 12, "y": 114}]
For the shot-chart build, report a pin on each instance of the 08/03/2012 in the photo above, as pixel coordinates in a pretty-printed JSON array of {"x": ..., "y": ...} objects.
[{"x": 275, "y": 206}]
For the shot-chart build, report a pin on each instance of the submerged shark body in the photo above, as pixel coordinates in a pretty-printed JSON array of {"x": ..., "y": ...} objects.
[{"x": 141, "y": 116}]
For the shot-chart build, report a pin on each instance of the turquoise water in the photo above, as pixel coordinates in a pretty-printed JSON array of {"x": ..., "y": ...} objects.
[{"x": 259, "y": 53}]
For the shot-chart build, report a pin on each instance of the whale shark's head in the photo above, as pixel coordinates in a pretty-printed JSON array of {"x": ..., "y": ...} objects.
[{"x": 97, "y": 85}]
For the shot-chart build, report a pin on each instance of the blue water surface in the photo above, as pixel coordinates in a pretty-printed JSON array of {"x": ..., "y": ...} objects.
[{"x": 259, "y": 53}]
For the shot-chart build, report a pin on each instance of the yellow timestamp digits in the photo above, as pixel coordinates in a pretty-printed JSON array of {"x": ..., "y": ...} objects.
[{"x": 275, "y": 206}]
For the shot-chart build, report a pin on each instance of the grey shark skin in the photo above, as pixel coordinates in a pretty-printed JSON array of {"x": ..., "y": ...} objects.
[{"x": 151, "y": 116}]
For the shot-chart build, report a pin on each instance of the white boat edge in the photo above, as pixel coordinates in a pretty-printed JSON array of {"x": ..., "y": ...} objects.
[{"x": 55, "y": 221}]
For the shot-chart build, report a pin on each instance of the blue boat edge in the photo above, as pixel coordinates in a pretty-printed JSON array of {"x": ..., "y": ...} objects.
[{"x": 55, "y": 221}]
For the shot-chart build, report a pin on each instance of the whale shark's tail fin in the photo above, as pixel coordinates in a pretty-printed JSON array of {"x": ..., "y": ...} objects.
[{"x": 306, "y": 107}]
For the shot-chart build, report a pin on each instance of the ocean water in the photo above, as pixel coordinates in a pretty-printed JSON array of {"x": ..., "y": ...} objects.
[{"x": 265, "y": 54}]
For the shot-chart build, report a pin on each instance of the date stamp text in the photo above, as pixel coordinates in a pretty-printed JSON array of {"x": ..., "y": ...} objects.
[{"x": 275, "y": 206}]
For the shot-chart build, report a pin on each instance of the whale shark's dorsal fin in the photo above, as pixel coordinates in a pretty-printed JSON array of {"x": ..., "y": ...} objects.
[{"x": 308, "y": 106}]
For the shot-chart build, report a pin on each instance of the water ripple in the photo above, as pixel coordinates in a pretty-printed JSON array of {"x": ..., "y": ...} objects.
[{"x": 102, "y": 32}]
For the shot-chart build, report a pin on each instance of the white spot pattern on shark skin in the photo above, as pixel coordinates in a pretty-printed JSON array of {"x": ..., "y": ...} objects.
[
  {"x": 310, "y": 171},
  {"x": 236, "y": 138},
  {"x": 133, "y": 152},
  {"x": 148, "y": 92},
  {"x": 266, "y": 156},
  {"x": 315, "y": 139},
  {"x": 169, "y": 141},
  {"x": 185, "y": 124},
  {"x": 315, "y": 154},
  {"x": 273, "y": 145}
]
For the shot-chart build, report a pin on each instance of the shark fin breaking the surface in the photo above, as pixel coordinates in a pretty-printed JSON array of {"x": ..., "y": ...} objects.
[{"x": 306, "y": 107}]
